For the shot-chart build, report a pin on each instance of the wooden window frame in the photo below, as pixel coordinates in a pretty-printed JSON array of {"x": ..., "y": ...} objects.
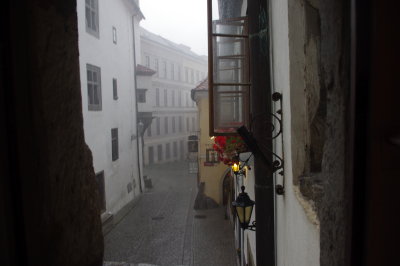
[{"x": 241, "y": 94}]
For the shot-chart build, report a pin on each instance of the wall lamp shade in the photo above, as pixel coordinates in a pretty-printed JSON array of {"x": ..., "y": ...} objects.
[{"x": 244, "y": 208}]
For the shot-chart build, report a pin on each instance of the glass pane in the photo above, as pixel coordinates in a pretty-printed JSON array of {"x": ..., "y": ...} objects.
[
  {"x": 94, "y": 26},
  {"x": 248, "y": 212},
  {"x": 90, "y": 93},
  {"x": 89, "y": 75},
  {"x": 94, "y": 77},
  {"x": 235, "y": 26},
  {"x": 88, "y": 18},
  {"x": 96, "y": 98},
  {"x": 240, "y": 214},
  {"x": 231, "y": 70},
  {"x": 229, "y": 111}
]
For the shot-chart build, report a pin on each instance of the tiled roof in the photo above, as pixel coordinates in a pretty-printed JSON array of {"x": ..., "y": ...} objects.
[
  {"x": 203, "y": 85},
  {"x": 145, "y": 71}
]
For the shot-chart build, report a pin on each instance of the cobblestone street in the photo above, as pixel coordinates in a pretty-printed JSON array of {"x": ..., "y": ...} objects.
[{"x": 163, "y": 229}]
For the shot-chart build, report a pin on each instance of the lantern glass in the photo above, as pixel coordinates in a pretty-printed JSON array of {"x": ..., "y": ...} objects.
[
  {"x": 240, "y": 211},
  {"x": 235, "y": 167},
  {"x": 247, "y": 213}
]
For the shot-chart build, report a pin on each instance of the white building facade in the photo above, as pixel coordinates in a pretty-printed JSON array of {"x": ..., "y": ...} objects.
[
  {"x": 107, "y": 60},
  {"x": 174, "y": 113}
]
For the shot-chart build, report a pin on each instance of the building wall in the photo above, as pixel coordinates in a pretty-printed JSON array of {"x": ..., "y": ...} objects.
[
  {"x": 115, "y": 61},
  {"x": 177, "y": 103},
  {"x": 212, "y": 176},
  {"x": 296, "y": 223}
]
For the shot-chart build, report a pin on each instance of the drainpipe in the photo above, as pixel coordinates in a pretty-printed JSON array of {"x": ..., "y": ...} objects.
[
  {"x": 261, "y": 102},
  {"x": 138, "y": 134}
]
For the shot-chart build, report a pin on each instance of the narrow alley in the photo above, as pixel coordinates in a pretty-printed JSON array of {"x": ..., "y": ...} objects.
[{"x": 162, "y": 228}]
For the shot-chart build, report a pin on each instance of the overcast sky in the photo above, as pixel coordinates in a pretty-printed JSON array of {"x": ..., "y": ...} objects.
[{"x": 180, "y": 21}]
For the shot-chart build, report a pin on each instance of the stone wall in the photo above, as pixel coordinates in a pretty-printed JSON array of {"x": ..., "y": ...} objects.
[{"x": 55, "y": 182}]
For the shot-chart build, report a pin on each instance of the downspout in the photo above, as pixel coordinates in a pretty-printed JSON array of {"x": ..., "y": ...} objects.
[
  {"x": 138, "y": 134},
  {"x": 261, "y": 104}
]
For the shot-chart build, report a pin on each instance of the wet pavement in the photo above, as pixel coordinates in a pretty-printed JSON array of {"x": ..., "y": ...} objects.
[{"x": 162, "y": 228}]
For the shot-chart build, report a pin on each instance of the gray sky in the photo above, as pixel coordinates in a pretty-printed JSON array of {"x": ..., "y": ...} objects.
[{"x": 180, "y": 21}]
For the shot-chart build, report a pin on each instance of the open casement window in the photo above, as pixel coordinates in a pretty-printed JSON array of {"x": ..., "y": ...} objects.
[{"x": 229, "y": 77}]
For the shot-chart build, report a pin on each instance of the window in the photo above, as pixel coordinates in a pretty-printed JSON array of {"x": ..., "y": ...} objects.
[
  {"x": 165, "y": 98},
  {"x": 172, "y": 71},
  {"x": 179, "y": 98},
  {"x": 156, "y": 67},
  {"x": 187, "y": 124},
  {"x": 179, "y": 73},
  {"x": 141, "y": 95},
  {"x": 180, "y": 124},
  {"x": 166, "y": 125},
  {"x": 197, "y": 76},
  {"x": 151, "y": 155},
  {"x": 193, "y": 124},
  {"x": 158, "y": 126},
  {"x": 187, "y": 99},
  {"x": 191, "y": 76},
  {"x": 102, "y": 191},
  {"x": 164, "y": 69},
  {"x": 173, "y": 124},
  {"x": 114, "y": 35},
  {"x": 94, "y": 87},
  {"x": 173, "y": 98},
  {"x": 229, "y": 73},
  {"x": 114, "y": 144},
  {"x": 181, "y": 148},
  {"x": 115, "y": 89},
  {"x": 159, "y": 152},
  {"x": 147, "y": 61},
  {"x": 175, "y": 149},
  {"x": 211, "y": 156},
  {"x": 157, "y": 97},
  {"x": 167, "y": 151},
  {"x": 92, "y": 17},
  {"x": 186, "y": 75},
  {"x": 149, "y": 131}
]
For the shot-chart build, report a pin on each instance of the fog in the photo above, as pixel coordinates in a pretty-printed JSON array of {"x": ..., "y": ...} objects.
[{"x": 181, "y": 21}]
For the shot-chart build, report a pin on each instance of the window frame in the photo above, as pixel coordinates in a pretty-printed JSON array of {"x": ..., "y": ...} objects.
[
  {"x": 141, "y": 95},
  {"x": 115, "y": 89},
  {"x": 240, "y": 93},
  {"x": 114, "y": 144},
  {"x": 91, "y": 105},
  {"x": 95, "y": 10},
  {"x": 114, "y": 34}
]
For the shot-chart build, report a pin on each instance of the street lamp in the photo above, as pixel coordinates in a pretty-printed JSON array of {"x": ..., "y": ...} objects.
[{"x": 244, "y": 207}]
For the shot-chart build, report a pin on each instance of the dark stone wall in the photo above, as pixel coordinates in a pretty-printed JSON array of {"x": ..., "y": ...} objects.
[
  {"x": 319, "y": 34},
  {"x": 335, "y": 80},
  {"x": 53, "y": 177}
]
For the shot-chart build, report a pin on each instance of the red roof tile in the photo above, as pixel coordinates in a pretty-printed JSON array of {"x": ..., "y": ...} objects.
[{"x": 145, "y": 71}]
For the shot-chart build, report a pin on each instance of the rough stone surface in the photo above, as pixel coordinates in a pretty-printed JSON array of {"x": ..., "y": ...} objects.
[{"x": 61, "y": 212}]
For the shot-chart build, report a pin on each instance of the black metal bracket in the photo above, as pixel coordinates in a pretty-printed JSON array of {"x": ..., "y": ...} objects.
[
  {"x": 251, "y": 227},
  {"x": 276, "y": 128}
]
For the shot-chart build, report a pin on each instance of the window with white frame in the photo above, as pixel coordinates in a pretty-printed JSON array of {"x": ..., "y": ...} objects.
[
  {"x": 94, "y": 87},
  {"x": 164, "y": 69},
  {"x": 158, "y": 126},
  {"x": 114, "y": 144},
  {"x": 115, "y": 89},
  {"x": 157, "y": 97},
  {"x": 165, "y": 97},
  {"x": 173, "y": 98},
  {"x": 156, "y": 68},
  {"x": 166, "y": 125},
  {"x": 141, "y": 95},
  {"x": 114, "y": 35},
  {"x": 172, "y": 71},
  {"x": 173, "y": 124},
  {"x": 147, "y": 61},
  {"x": 92, "y": 17}
]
